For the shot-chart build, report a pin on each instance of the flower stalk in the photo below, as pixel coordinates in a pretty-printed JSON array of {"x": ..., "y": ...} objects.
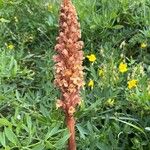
[{"x": 68, "y": 68}]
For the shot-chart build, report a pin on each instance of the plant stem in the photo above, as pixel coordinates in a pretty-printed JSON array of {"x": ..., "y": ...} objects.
[{"x": 70, "y": 121}]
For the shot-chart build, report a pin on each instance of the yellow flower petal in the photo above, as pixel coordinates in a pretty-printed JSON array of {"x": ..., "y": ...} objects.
[
  {"x": 91, "y": 84},
  {"x": 91, "y": 57},
  {"x": 143, "y": 45},
  {"x": 123, "y": 67},
  {"x": 132, "y": 84}
]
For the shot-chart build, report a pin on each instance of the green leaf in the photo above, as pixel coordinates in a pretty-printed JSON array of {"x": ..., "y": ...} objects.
[
  {"x": 50, "y": 20},
  {"x": 89, "y": 126},
  {"x": 29, "y": 123},
  {"x": 44, "y": 111},
  {"x": 11, "y": 136},
  {"x": 11, "y": 65},
  {"x": 1, "y": 2},
  {"x": 7, "y": 148},
  {"x": 52, "y": 131},
  {"x": 15, "y": 68},
  {"x": 118, "y": 27},
  {"x": 93, "y": 73},
  {"x": 2, "y": 139},
  {"x": 5, "y": 122},
  {"x": 92, "y": 26},
  {"x": 60, "y": 143},
  {"x": 81, "y": 131},
  {"x": 40, "y": 146},
  {"x": 132, "y": 125},
  {"x": 49, "y": 145}
]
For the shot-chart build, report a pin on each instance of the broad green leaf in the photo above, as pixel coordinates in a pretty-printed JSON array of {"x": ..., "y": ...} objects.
[
  {"x": 11, "y": 136},
  {"x": 2, "y": 139}
]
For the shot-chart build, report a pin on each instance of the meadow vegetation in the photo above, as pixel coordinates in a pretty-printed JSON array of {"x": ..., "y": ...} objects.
[{"x": 115, "y": 110}]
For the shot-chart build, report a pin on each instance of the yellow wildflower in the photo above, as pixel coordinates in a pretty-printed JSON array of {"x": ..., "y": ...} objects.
[
  {"x": 91, "y": 84},
  {"x": 132, "y": 83},
  {"x": 143, "y": 45},
  {"x": 101, "y": 72},
  {"x": 123, "y": 67},
  {"x": 10, "y": 46},
  {"x": 91, "y": 57}
]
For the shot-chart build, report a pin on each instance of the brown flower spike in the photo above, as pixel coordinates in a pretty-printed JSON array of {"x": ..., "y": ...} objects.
[{"x": 68, "y": 67}]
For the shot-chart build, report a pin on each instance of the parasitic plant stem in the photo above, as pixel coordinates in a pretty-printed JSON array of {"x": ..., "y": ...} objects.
[
  {"x": 70, "y": 121},
  {"x": 68, "y": 68}
]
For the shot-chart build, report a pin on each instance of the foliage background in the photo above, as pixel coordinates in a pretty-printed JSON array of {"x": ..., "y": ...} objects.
[{"x": 111, "y": 116}]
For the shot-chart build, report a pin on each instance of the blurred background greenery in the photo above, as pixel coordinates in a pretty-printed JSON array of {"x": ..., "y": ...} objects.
[{"x": 114, "y": 113}]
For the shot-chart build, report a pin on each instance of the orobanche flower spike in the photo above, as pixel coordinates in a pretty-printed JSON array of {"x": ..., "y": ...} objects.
[{"x": 68, "y": 68}]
